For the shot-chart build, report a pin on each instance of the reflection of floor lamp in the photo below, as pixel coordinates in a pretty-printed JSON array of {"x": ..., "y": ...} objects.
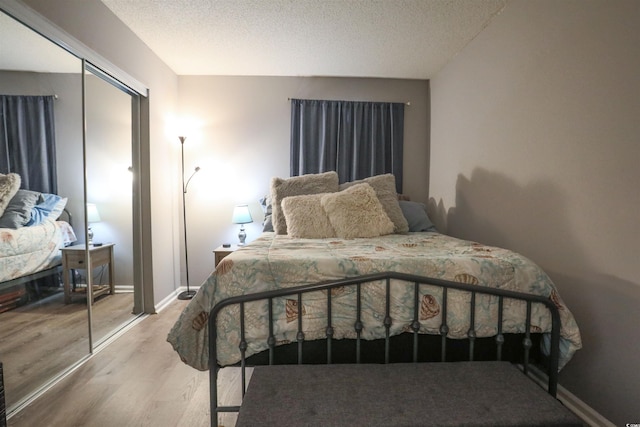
[{"x": 188, "y": 294}]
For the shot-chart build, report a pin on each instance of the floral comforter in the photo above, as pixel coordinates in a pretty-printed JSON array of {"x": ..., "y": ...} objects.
[
  {"x": 28, "y": 250},
  {"x": 277, "y": 261}
]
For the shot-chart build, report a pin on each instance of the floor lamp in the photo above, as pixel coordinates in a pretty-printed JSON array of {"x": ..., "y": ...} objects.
[{"x": 188, "y": 294}]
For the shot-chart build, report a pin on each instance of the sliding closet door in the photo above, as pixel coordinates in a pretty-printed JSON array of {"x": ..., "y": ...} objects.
[
  {"x": 41, "y": 334},
  {"x": 110, "y": 176}
]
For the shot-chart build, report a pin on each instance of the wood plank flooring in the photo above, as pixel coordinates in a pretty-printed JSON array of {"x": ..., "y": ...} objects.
[
  {"x": 40, "y": 340},
  {"x": 138, "y": 380}
]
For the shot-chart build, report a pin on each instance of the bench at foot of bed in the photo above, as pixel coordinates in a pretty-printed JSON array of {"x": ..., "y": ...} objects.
[{"x": 401, "y": 394}]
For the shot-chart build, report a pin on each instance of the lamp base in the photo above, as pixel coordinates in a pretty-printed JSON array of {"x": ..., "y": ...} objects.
[
  {"x": 242, "y": 236},
  {"x": 186, "y": 295}
]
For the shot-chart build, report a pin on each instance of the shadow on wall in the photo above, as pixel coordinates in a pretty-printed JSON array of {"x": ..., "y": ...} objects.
[
  {"x": 531, "y": 219},
  {"x": 495, "y": 210}
]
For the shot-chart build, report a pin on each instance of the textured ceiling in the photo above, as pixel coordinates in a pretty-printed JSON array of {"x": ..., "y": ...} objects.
[{"x": 346, "y": 38}]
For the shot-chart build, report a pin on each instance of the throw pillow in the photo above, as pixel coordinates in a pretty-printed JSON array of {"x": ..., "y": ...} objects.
[
  {"x": 57, "y": 210},
  {"x": 9, "y": 186},
  {"x": 43, "y": 209},
  {"x": 18, "y": 212},
  {"x": 356, "y": 212},
  {"x": 385, "y": 188},
  {"x": 416, "y": 215},
  {"x": 306, "y": 218},
  {"x": 326, "y": 182}
]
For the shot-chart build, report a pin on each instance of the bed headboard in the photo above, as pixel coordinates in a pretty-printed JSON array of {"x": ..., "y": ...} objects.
[{"x": 66, "y": 216}]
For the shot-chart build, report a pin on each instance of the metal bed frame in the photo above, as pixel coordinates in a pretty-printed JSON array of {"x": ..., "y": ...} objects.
[{"x": 404, "y": 280}]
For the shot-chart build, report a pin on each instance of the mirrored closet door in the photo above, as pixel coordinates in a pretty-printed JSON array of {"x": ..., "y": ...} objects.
[
  {"x": 50, "y": 325},
  {"x": 41, "y": 334},
  {"x": 109, "y": 172}
]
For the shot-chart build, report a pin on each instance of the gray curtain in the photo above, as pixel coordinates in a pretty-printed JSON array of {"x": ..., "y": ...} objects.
[
  {"x": 355, "y": 139},
  {"x": 27, "y": 141}
]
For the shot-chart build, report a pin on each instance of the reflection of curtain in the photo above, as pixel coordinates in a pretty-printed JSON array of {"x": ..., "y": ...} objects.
[
  {"x": 27, "y": 141},
  {"x": 356, "y": 139}
]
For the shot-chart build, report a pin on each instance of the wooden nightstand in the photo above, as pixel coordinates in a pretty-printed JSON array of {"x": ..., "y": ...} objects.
[
  {"x": 221, "y": 252},
  {"x": 73, "y": 259}
]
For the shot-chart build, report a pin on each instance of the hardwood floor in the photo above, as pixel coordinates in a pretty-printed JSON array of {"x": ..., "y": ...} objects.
[
  {"x": 137, "y": 380},
  {"x": 42, "y": 339}
]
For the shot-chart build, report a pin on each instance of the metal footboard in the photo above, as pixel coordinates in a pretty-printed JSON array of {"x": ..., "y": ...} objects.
[{"x": 357, "y": 282}]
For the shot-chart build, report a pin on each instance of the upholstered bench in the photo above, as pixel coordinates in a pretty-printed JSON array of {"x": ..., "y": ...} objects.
[{"x": 403, "y": 394}]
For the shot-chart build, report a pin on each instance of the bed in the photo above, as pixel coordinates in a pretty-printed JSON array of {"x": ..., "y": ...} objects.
[
  {"x": 474, "y": 392},
  {"x": 329, "y": 233},
  {"x": 279, "y": 261},
  {"x": 31, "y": 236}
]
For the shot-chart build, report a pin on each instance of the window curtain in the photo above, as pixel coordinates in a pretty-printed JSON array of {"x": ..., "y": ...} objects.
[
  {"x": 27, "y": 141},
  {"x": 355, "y": 139}
]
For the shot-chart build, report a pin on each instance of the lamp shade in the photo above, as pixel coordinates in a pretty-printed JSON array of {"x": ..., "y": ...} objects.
[
  {"x": 92, "y": 213},
  {"x": 241, "y": 215}
]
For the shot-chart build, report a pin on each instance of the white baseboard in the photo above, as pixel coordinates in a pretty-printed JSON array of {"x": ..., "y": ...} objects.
[
  {"x": 581, "y": 409},
  {"x": 585, "y": 412}
]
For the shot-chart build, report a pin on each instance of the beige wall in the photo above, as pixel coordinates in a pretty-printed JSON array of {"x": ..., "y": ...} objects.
[
  {"x": 534, "y": 146},
  {"x": 240, "y": 139}
]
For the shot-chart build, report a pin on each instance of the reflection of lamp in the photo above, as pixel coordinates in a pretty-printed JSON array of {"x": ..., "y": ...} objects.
[
  {"x": 188, "y": 294},
  {"x": 92, "y": 216},
  {"x": 242, "y": 216}
]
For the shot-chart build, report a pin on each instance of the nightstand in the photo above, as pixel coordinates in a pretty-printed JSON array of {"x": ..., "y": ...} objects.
[
  {"x": 221, "y": 252},
  {"x": 73, "y": 258}
]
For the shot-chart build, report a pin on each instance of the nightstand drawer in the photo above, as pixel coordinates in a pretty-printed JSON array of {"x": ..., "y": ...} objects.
[{"x": 76, "y": 260}]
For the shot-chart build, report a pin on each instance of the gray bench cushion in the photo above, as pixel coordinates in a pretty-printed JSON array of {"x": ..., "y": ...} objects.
[{"x": 443, "y": 394}]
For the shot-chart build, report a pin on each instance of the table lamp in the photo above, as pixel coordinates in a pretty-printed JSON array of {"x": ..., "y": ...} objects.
[
  {"x": 242, "y": 216},
  {"x": 92, "y": 216}
]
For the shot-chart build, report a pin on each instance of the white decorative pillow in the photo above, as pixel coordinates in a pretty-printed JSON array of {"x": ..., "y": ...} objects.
[
  {"x": 297, "y": 186},
  {"x": 385, "y": 188},
  {"x": 306, "y": 218},
  {"x": 356, "y": 212},
  {"x": 9, "y": 186}
]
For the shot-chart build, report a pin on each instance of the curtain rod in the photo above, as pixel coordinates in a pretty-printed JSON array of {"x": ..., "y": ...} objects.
[
  {"x": 405, "y": 103},
  {"x": 55, "y": 95}
]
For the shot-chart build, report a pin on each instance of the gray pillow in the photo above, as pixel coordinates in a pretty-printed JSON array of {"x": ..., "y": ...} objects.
[
  {"x": 18, "y": 212},
  {"x": 416, "y": 215},
  {"x": 267, "y": 224},
  {"x": 265, "y": 204}
]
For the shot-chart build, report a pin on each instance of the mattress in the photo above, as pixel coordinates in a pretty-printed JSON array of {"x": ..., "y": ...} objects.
[
  {"x": 279, "y": 261},
  {"x": 27, "y": 250}
]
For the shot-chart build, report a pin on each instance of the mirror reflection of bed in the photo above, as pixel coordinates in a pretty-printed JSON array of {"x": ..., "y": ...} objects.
[{"x": 41, "y": 337}]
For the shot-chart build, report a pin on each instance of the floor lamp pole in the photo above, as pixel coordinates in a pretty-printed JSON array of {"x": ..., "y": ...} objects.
[{"x": 188, "y": 294}]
